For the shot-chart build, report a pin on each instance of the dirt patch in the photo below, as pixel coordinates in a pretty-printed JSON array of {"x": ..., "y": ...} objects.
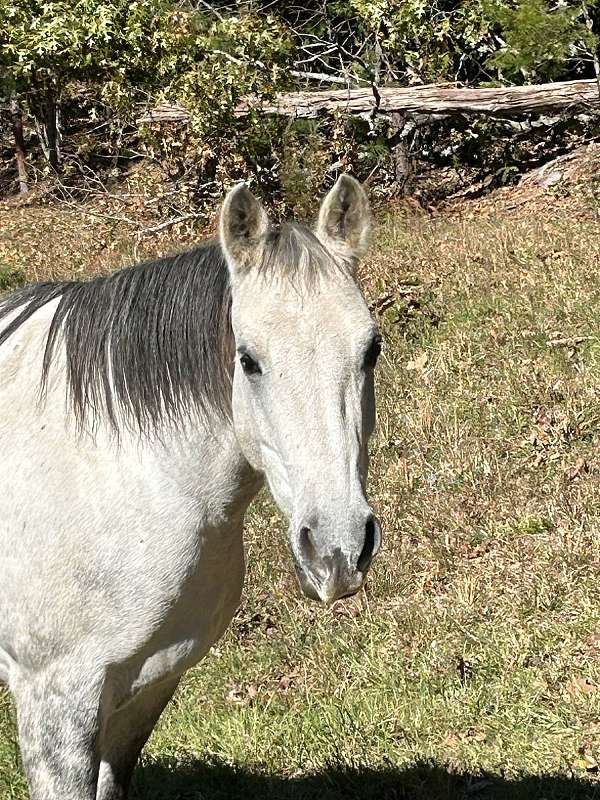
[{"x": 566, "y": 186}]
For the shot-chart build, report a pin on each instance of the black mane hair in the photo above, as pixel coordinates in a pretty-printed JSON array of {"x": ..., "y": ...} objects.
[{"x": 153, "y": 342}]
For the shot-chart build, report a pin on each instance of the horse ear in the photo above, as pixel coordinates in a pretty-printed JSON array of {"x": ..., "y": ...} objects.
[
  {"x": 243, "y": 226},
  {"x": 344, "y": 224}
]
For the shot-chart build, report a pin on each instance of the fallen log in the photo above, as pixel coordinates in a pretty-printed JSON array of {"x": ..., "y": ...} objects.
[
  {"x": 164, "y": 113},
  {"x": 497, "y": 101},
  {"x": 504, "y": 101}
]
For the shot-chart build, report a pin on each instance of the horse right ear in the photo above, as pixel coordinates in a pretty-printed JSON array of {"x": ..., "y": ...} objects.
[
  {"x": 243, "y": 226},
  {"x": 344, "y": 224}
]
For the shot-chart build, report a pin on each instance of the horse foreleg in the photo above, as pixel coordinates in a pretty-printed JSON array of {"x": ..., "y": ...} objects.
[
  {"x": 125, "y": 734},
  {"x": 58, "y": 725}
]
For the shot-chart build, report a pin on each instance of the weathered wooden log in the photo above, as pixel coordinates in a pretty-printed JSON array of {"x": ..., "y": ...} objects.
[
  {"x": 164, "y": 113},
  {"x": 500, "y": 101},
  {"x": 505, "y": 101}
]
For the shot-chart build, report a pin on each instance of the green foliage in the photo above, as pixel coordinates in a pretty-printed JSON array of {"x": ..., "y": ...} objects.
[
  {"x": 539, "y": 40},
  {"x": 391, "y": 41},
  {"x": 208, "y": 55},
  {"x": 10, "y": 277},
  {"x": 102, "y": 62},
  {"x": 126, "y": 50}
]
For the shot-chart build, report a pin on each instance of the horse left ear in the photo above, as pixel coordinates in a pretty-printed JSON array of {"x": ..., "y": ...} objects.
[
  {"x": 344, "y": 224},
  {"x": 243, "y": 226}
]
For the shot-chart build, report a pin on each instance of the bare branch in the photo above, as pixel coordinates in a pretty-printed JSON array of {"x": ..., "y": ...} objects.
[{"x": 323, "y": 77}]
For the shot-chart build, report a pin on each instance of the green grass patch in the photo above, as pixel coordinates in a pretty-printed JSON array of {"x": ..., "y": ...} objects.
[
  {"x": 11, "y": 277},
  {"x": 470, "y": 666}
]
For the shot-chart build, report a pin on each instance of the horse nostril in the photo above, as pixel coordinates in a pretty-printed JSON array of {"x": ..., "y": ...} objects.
[
  {"x": 308, "y": 550},
  {"x": 371, "y": 545}
]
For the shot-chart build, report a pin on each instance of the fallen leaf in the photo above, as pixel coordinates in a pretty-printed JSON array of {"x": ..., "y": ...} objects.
[
  {"x": 583, "y": 685},
  {"x": 587, "y": 762},
  {"x": 594, "y": 641},
  {"x": 418, "y": 364},
  {"x": 287, "y": 680},
  {"x": 580, "y": 466},
  {"x": 241, "y": 695},
  {"x": 235, "y": 694},
  {"x": 452, "y": 739}
]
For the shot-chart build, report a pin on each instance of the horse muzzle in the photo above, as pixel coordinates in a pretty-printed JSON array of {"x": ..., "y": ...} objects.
[{"x": 328, "y": 574}]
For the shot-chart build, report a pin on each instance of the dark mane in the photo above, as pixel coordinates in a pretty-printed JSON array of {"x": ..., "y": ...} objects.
[{"x": 153, "y": 342}]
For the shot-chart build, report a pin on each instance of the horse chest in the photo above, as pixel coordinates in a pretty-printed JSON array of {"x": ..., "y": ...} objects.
[{"x": 186, "y": 611}]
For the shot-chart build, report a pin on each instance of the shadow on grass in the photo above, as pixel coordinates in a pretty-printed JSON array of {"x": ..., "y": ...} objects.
[{"x": 201, "y": 781}]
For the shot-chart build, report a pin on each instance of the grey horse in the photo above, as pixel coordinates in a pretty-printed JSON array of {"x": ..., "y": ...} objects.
[{"x": 139, "y": 415}]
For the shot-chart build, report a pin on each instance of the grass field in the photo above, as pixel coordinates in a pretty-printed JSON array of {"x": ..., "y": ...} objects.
[{"x": 470, "y": 666}]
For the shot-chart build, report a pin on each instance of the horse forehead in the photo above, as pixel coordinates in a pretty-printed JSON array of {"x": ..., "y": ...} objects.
[{"x": 303, "y": 312}]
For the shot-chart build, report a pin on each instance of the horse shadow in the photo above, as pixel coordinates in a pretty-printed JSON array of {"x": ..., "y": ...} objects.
[{"x": 198, "y": 780}]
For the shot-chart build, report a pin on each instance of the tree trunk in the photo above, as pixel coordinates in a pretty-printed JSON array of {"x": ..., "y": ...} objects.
[
  {"x": 50, "y": 127},
  {"x": 400, "y": 126},
  {"x": 20, "y": 153}
]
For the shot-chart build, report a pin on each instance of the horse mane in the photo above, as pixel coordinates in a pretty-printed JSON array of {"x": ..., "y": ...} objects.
[
  {"x": 153, "y": 340},
  {"x": 153, "y": 343}
]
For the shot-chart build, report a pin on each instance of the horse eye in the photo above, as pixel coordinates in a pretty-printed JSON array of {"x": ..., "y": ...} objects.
[
  {"x": 373, "y": 352},
  {"x": 249, "y": 365}
]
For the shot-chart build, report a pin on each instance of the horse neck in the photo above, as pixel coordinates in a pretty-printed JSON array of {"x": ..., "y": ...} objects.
[{"x": 204, "y": 460}]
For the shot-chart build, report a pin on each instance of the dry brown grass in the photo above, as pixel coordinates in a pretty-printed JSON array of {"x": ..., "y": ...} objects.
[{"x": 470, "y": 667}]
